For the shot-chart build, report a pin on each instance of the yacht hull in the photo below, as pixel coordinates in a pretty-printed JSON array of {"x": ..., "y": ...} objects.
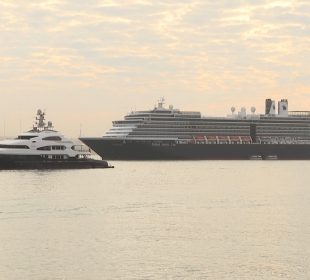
[
  {"x": 15, "y": 162},
  {"x": 111, "y": 149}
]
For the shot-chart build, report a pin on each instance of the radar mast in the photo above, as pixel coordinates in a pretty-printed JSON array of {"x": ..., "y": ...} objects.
[
  {"x": 161, "y": 103},
  {"x": 40, "y": 123}
]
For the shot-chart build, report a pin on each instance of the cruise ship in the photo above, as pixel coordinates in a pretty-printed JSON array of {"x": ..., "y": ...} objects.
[
  {"x": 42, "y": 147},
  {"x": 168, "y": 133}
]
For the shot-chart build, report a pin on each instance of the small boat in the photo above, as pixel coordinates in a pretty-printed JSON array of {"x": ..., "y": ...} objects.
[
  {"x": 256, "y": 157},
  {"x": 42, "y": 147},
  {"x": 271, "y": 157}
]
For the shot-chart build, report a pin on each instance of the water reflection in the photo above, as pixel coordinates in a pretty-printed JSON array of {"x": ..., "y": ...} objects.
[{"x": 157, "y": 220}]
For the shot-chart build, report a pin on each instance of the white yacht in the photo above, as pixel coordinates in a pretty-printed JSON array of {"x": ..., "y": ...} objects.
[{"x": 45, "y": 148}]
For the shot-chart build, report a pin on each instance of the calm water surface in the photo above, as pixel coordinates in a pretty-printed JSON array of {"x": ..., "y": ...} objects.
[{"x": 158, "y": 220}]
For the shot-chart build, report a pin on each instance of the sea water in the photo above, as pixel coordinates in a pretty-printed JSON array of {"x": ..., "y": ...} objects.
[{"x": 158, "y": 220}]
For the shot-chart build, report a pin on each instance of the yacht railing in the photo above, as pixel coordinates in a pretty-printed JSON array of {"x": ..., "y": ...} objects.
[{"x": 299, "y": 113}]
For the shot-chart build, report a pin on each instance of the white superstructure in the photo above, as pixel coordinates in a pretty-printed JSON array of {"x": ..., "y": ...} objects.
[
  {"x": 43, "y": 141},
  {"x": 171, "y": 124}
]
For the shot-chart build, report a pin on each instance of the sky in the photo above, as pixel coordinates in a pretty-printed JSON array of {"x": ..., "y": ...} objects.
[{"x": 87, "y": 63}]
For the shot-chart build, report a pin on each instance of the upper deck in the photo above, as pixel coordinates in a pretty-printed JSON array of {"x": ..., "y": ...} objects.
[{"x": 172, "y": 123}]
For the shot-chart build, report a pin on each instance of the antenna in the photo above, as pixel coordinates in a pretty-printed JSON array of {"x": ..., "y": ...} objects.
[
  {"x": 80, "y": 129},
  {"x": 161, "y": 103},
  {"x": 40, "y": 124},
  {"x": 49, "y": 125}
]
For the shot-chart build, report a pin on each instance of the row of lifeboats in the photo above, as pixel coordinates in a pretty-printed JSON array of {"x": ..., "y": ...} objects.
[{"x": 217, "y": 139}]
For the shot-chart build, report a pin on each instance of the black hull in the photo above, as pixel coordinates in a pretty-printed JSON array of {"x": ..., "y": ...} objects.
[
  {"x": 144, "y": 150},
  {"x": 33, "y": 162}
]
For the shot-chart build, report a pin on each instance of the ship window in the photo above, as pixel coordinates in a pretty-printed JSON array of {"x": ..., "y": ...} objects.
[
  {"x": 58, "y": 157},
  {"x": 58, "y": 147},
  {"x": 44, "y": 148},
  {"x": 14, "y": 146},
  {"x": 26, "y": 137},
  {"x": 52, "y": 138},
  {"x": 48, "y": 148}
]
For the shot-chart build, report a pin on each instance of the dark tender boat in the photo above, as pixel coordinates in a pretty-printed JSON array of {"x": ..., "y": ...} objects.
[
  {"x": 44, "y": 148},
  {"x": 168, "y": 133}
]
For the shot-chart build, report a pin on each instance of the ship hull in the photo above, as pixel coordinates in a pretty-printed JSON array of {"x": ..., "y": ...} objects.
[
  {"x": 15, "y": 162},
  {"x": 110, "y": 149}
]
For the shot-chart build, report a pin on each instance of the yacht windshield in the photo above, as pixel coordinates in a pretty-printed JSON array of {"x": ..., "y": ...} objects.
[
  {"x": 52, "y": 138},
  {"x": 26, "y": 137}
]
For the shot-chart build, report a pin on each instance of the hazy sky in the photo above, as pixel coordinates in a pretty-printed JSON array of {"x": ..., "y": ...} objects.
[{"x": 91, "y": 61}]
